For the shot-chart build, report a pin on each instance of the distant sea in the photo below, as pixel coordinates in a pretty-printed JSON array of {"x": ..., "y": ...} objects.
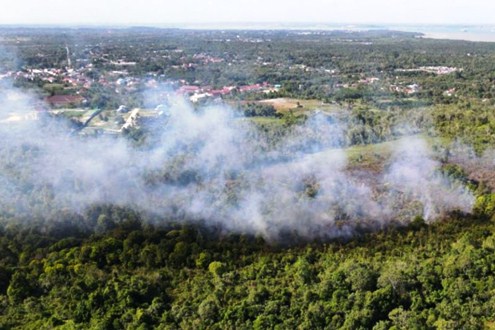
[
  {"x": 484, "y": 33},
  {"x": 455, "y": 32}
]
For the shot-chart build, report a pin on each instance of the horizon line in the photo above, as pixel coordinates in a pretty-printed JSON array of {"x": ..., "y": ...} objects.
[{"x": 230, "y": 25}]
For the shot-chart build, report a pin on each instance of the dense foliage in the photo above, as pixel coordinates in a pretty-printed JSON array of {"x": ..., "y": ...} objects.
[
  {"x": 112, "y": 268},
  {"x": 325, "y": 65},
  {"x": 142, "y": 276}
]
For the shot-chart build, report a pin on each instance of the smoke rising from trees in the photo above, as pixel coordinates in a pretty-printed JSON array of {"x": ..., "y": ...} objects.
[{"x": 211, "y": 166}]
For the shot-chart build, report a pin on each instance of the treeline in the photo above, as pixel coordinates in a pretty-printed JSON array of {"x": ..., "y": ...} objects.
[
  {"x": 130, "y": 274},
  {"x": 471, "y": 122}
]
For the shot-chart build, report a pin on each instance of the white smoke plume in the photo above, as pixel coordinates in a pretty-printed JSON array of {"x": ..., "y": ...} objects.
[
  {"x": 415, "y": 175},
  {"x": 214, "y": 167}
]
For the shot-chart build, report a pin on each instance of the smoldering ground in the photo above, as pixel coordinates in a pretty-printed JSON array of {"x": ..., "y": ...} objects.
[{"x": 209, "y": 165}]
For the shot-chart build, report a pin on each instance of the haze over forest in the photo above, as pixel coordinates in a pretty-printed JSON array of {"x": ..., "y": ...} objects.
[{"x": 161, "y": 170}]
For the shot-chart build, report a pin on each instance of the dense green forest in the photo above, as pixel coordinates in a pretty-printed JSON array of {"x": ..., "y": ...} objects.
[
  {"x": 113, "y": 267},
  {"x": 142, "y": 276}
]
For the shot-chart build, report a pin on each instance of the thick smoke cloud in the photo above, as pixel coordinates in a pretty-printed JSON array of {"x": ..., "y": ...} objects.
[
  {"x": 214, "y": 167},
  {"x": 415, "y": 175}
]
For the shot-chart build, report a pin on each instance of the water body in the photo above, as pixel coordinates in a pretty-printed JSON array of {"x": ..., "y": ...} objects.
[
  {"x": 482, "y": 33},
  {"x": 485, "y": 33}
]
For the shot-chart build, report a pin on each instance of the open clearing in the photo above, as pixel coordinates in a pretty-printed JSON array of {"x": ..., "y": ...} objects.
[{"x": 286, "y": 104}]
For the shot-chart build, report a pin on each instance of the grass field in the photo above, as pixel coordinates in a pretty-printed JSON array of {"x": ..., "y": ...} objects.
[{"x": 299, "y": 105}]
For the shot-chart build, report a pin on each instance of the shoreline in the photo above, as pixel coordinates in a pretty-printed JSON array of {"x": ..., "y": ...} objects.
[{"x": 466, "y": 36}]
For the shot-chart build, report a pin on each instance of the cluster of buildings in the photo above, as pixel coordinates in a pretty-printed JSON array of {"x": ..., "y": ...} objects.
[
  {"x": 407, "y": 89},
  {"x": 74, "y": 83},
  {"x": 68, "y": 86},
  {"x": 197, "y": 93},
  {"x": 362, "y": 81},
  {"x": 69, "y": 77},
  {"x": 438, "y": 70}
]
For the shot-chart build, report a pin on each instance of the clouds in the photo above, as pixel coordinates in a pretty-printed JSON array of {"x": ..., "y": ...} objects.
[{"x": 189, "y": 11}]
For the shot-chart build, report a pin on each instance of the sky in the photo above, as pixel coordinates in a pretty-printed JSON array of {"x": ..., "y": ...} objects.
[{"x": 176, "y": 12}]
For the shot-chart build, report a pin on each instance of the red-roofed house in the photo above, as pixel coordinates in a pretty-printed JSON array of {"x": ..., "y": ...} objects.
[
  {"x": 250, "y": 88},
  {"x": 186, "y": 89},
  {"x": 218, "y": 92}
]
